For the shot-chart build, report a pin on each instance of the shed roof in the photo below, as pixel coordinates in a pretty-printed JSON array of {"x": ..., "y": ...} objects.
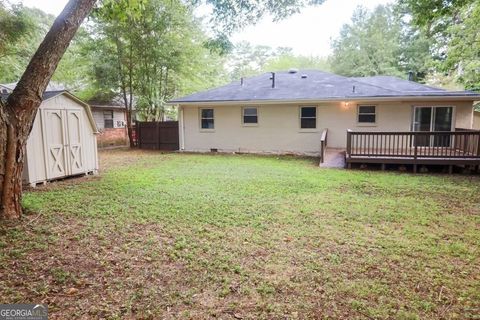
[
  {"x": 52, "y": 86},
  {"x": 47, "y": 95},
  {"x": 315, "y": 85}
]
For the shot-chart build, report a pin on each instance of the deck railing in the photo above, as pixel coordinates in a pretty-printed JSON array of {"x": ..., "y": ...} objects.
[
  {"x": 323, "y": 144},
  {"x": 416, "y": 145}
]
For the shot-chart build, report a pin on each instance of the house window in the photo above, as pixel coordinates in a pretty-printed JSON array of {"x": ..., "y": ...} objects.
[
  {"x": 308, "y": 117},
  {"x": 250, "y": 115},
  {"x": 367, "y": 114},
  {"x": 207, "y": 119},
  {"x": 108, "y": 119}
]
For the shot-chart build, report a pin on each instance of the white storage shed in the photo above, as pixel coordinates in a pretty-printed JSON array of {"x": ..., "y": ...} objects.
[{"x": 63, "y": 140}]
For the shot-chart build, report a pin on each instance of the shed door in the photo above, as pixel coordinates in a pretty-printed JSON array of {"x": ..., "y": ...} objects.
[
  {"x": 75, "y": 153},
  {"x": 55, "y": 143}
]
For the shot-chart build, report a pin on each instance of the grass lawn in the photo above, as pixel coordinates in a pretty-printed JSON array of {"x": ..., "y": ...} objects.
[{"x": 245, "y": 237}]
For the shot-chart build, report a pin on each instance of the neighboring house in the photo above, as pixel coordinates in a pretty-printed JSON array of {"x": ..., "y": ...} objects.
[
  {"x": 287, "y": 112},
  {"x": 62, "y": 141},
  {"x": 111, "y": 120}
]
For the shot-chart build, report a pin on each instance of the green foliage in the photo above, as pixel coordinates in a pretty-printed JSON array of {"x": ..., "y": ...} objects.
[
  {"x": 249, "y": 60},
  {"x": 454, "y": 28},
  {"x": 380, "y": 43},
  {"x": 74, "y": 65},
  {"x": 232, "y": 15},
  {"x": 163, "y": 56},
  {"x": 21, "y": 30},
  {"x": 463, "y": 53},
  {"x": 436, "y": 16},
  {"x": 13, "y": 26},
  {"x": 289, "y": 60}
]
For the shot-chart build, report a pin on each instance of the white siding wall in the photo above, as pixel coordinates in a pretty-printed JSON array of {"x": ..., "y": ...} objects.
[
  {"x": 476, "y": 120},
  {"x": 278, "y": 129}
]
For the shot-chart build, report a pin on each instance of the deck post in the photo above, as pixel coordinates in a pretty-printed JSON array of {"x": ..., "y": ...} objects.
[
  {"x": 478, "y": 144},
  {"x": 450, "y": 169},
  {"x": 349, "y": 149},
  {"x": 415, "y": 146},
  {"x": 383, "y": 166}
]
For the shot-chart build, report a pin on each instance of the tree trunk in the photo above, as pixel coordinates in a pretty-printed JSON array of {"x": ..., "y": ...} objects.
[
  {"x": 129, "y": 128},
  {"x": 127, "y": 94},
  {"x": 18, "y": 113}
]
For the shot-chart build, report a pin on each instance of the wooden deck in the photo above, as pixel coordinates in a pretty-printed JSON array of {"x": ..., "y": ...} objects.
[{"x": 460, "y": 147}]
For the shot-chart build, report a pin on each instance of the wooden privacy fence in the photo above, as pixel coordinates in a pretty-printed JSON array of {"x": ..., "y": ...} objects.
[
  {"x": 157, "y": 135},
  {"x": 453, "y": 145}
]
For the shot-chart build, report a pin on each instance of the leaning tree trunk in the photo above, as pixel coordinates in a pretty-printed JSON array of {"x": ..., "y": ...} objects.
[
  {"x": 18, "y": 113},
  {"x": 131, "y": 141}
]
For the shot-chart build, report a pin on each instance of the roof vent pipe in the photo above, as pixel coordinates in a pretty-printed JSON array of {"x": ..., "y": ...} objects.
[
  {"x": 353, "y": 89},
  {"x": 273, "y": 79},
  {"x": 241, "y": 81}
]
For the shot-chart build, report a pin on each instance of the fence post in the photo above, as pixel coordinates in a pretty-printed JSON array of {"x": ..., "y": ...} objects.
[
  {"x": 138, "y": 135},
  {"x": 158, "y": 134}
]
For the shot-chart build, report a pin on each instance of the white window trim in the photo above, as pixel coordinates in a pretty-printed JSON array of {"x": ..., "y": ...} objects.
[
  {"x": 367, "y": 124},
  {"x": 454, "y": 114},
  {"x": 200, "y": 118},
  {"x": 243, "y": 117},
  {"x": 300, "y": 119},
  {"x": 111, "y": 117}
]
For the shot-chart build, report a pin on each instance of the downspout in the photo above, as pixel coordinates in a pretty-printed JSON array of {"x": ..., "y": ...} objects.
[{"x": 181, "y": 128}]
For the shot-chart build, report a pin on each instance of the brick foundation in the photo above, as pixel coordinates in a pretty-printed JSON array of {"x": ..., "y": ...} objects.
[{"x": 112, "y": 137}]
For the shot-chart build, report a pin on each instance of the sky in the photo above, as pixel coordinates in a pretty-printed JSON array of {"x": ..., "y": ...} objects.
[{"x": 308, "y": 33}]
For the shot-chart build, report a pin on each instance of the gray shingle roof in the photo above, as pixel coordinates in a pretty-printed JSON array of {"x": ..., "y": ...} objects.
[
  {"x": 46, "y": 95},
  {"x": 52, "y": 86},
  {"x": 318, "y": 85}
]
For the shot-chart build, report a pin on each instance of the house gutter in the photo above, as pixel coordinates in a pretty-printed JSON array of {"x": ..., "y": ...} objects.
[{"x": 344, "y": 99}]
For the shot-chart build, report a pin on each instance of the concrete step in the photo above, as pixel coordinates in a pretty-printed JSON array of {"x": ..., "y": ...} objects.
[{"x": 334, "y": 158}]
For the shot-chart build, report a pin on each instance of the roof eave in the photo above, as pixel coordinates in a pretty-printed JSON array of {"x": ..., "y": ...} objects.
[{"x": 339, "y": 99}]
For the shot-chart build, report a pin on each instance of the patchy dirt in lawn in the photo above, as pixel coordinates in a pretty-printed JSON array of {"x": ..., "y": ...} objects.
[{"x": 169, "y": 236}]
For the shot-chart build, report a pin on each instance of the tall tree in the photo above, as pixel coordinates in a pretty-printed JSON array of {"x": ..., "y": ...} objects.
[
  {"x": 13, "y": 26},
  {"x": 147, "y": 65},
  {"x": 246, "y": 59},
  {"x": 287, "y": 60},
  {"x": 379, "y": 43},
  {"x": 454, "y": 27},
  {"x": 18, "y": 113}
]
